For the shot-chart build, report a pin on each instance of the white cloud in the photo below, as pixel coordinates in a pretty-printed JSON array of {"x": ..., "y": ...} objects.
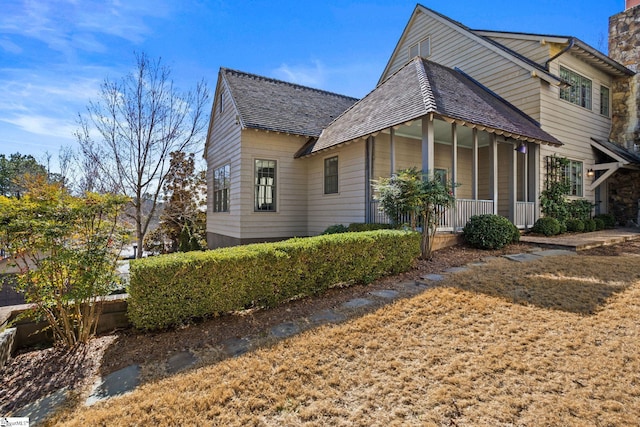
[{"x": 307, "y": 75}]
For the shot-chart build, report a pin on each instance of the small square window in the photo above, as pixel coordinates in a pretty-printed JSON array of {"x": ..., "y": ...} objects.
[{"x": 422, "y": 49}]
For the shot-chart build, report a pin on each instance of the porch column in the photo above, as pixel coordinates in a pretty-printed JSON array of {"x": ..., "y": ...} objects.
[
  {"x": 368, "y": 193},
  {"x": 427, "y": 144},
  {"x": 392, "y": 144},
  {"x": 454, "y": 158},
  {"x": 533, "y": 159},
  {"x": 513, "y": 185},
  {"x": 474, "y": 167},
  {"x": 493, "y": 172}
]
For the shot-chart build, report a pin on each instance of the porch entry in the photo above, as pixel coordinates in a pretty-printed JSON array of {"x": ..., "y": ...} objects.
[{"x": 494, "y": 174}]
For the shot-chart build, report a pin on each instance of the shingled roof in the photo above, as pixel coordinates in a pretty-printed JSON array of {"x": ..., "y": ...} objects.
[
  {"x": 423, "y": 87},
  {"x": 269, "y": 104}
]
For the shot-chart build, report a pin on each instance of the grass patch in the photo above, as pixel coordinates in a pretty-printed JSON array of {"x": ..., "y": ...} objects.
[{"x": 552, "y": 342}]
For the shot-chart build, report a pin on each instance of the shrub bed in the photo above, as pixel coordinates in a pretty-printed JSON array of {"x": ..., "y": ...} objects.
[
  {"x": 575, "y": 225},
  {"x": 168, "y": 290},
  {"x": 490, "y": 231}
]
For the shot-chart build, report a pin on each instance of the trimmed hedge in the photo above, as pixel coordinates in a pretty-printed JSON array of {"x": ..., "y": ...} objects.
[
  {"x": 546, "y": 225},
  {"x": 490, "y": 231},
  {"x": 170, "y": 289},
  {"x": 575, "y": 225},
  {"x": 356, "y": 227},
  {"x": 589, "y": 225}
]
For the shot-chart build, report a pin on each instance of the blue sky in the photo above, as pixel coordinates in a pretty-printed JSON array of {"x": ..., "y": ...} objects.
[{"x": 55, "y": 53}]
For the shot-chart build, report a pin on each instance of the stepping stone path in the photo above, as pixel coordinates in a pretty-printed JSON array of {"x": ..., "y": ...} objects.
[
  {"x": 326, "y": 316},
  {"x": 285, "y": 330},
  {"x": 523, "y": 257},
  {"x": 357, "y": 303},
  {"x": 236, "y": 346},
  {"x": 433, "y": 277},
  {"x": 39, "y": 410},
  {"x": 385, "y": 293},
  {"x": 456, "y": 269},
  {"x": 180, "y": 361},
  {"x": 115, "y": 384},
  {"x": 553, "y": 252}
]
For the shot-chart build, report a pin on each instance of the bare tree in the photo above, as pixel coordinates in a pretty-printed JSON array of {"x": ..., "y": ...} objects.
[{"x": 128, "y": 134}]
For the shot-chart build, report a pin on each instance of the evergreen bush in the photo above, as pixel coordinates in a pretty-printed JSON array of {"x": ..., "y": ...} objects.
[
  {"x": 589, "y": 225},
  {"x": 608, "y": 219},
  {"x": 547, "y": 225},
  {"x": 575, "y": 225},
  {"x": 599, "y": 224},
  {"x": 490, "y": 231}
]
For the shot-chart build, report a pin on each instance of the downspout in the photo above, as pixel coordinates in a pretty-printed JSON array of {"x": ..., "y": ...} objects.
[{"x": 572, "y": 42}]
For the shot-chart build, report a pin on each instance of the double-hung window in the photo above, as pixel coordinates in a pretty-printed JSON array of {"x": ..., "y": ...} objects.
[
  {"x": 265, "y": 186},
  {"x": 573, "y": 175},
  {"x": 331, "y": 175},
  {"x": 579, "y": 91},
  {"x": 604, "y": 101},
  {"x": 221, "y": 185}
]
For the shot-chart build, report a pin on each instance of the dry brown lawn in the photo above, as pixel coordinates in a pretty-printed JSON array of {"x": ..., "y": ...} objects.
[{"x": 552, "y": 342}]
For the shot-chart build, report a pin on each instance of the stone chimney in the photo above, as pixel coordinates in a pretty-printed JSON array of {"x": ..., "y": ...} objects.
[{"x": 624, "y": 47}]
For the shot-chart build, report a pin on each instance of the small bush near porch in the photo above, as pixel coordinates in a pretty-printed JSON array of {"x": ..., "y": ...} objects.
[{"x": 171, "y": 289}]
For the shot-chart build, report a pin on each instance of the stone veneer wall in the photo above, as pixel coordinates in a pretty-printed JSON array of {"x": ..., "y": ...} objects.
[
  {"x": 624, "y": 196},
  {"x": 624, "y": 47}
]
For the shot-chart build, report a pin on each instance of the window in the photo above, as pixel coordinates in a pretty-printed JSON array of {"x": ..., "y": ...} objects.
[
  {"x": 579, "y": 92},
  {"x": 604, "y": 101},
  {"x": 265, "y": 186},
  {"x": 221, "y": 102},
  {"x": 423, "y": 49},
  {"x": 331, "y": 175},
  {"x": 221, "y": 189},
  {"x": 573, "y": 175}
]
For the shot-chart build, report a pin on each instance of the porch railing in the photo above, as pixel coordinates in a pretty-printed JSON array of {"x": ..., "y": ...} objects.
[
  {"x": 453, "y": 219},
  {"x": 525, "y": 214}
]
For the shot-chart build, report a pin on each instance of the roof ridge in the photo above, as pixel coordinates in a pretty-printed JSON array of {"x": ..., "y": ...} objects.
[
  {"x": 425, "y": 85},
  {"x": 271, "y": 79}
]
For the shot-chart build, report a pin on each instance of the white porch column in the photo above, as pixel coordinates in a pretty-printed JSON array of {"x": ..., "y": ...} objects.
[
  {"x": 534, "y": 182},
  {"x": 427, "y": 145},
  {"x": 513, "y": 185},
  {"x": 474, "y": 166},
  {"x": 454, "y": 158},
  {"x": 392, "y": 144},
  {"x": 493, "y": 171}
]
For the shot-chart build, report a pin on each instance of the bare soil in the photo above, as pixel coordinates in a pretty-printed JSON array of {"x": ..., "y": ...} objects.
[{"x": 35, "y": 373}]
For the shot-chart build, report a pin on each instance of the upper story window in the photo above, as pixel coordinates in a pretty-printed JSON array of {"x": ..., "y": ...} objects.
[
  {"x": 579, "y": 92},
  {"x": 604, "y": 101},
  {"x": 221, "y": 186},
  {"x": 331, "y": 175},
  {"x": 265, "y": 186},
  {"x": 422, "y": 48},
  {"x": 221, "y": 102}
]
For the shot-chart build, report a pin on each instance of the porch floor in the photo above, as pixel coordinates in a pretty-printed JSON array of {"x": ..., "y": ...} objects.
[{"x": 582, "y": 241}]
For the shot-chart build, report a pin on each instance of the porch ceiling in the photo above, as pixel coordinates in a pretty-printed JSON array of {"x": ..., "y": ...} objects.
[{"x": 423, "y": 88}]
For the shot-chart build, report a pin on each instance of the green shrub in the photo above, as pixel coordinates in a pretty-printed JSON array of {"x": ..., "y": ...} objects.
[
  {"x": 170, "y": 289},
  {"x": 490, "y": 231},
  {"x": 360, "y": 226},
  {"x": 547, "y": 225},
  {"x": 608, "y": 219},
  {"x": 599, "y": 224},
  {"x": 579, "y": 209},
  {"x": 335, "y": 229},
  {"x": 575, "y": 225},
  {"x": 589, "y": 225},
  {"x": 563, "y": 227}
]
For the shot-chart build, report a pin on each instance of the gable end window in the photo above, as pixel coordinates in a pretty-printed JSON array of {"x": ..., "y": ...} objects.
[
  {"x": 604, "y": 101},
  {"x": 331, "y": 175},
  {"x": 265, "y": 186},
  {"x": 422, "y": 48},
  {"x": 221, "y": 102},
  {"x": 579, "y": 92},
  {"x": 221, "y": 185}
]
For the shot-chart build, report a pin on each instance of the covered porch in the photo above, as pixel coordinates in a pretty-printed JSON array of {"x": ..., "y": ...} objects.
[{"x": 489, "y": 173}]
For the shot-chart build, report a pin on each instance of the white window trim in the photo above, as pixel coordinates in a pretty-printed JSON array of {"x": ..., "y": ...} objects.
[
  {"x": 608, "y": 101},
  {"x": 213, "y": 205},
  {"x": 276, "y": 185},
  {"x": 419, "y": 46}
]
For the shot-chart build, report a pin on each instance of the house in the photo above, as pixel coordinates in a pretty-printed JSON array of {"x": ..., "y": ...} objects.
[{"x": 482, "y": 109}]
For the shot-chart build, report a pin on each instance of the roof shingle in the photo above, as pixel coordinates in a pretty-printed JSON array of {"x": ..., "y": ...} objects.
[
  {"x": 279, "y": 106},
  {"x": 422, "y": 87}
]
